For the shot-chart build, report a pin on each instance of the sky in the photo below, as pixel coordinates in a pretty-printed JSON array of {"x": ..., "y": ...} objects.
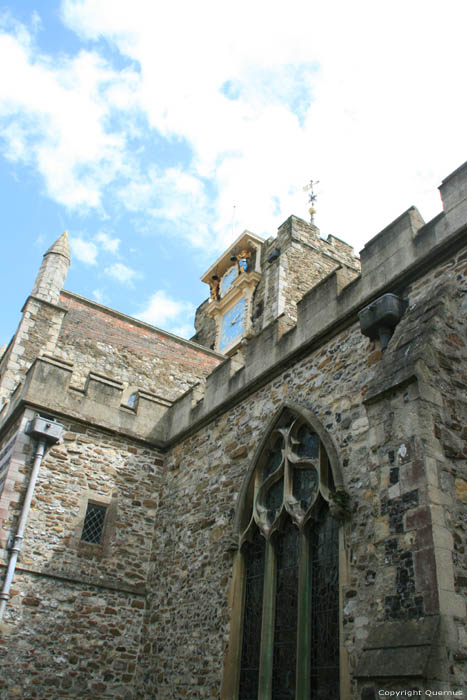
[{"x": 156, "y": 132}]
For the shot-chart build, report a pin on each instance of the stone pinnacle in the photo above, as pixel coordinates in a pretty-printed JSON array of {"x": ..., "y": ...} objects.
[{"x": 60, "y": 247}]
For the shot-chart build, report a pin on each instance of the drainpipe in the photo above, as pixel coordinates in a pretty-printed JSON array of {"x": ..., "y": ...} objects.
[{"x": 45, "y": 432}]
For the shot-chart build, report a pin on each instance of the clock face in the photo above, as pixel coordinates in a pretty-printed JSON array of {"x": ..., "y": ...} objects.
[
  {"x": 233, "y": 324},
  {"x": 228, "y": 280}
]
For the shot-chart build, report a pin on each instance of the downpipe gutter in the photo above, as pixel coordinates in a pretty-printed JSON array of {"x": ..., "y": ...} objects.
[{"x": 46, "y": 433}]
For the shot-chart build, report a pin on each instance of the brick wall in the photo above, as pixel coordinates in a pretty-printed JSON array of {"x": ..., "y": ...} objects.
[{"x": 94, "y": 338}]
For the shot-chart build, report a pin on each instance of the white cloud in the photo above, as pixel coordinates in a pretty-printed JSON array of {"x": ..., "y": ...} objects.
[
  {"x": 87, "y": 251},
  {"x": 108, "y": 243},
  {"x": 163, "y": 311},
  {"x": 122, "y": 273},
  {"x": 84, "y": 251},
  {"x": 174, "y": 195},
  {"x": 57, "y": 116},
  {"x": 98, "y": 296},
  {"x": 363, "y": 96},
  {"x": 184, "y": 331}
]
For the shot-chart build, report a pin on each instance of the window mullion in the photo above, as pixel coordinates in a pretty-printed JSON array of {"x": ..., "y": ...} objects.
[
  {"x": 304, "y": 618},
  {"x": 267, "y": 625},
  {"x": 231, "y": 679}
]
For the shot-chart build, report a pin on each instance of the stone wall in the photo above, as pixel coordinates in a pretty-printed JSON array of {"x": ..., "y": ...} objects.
[
  {"x": 75, "y": 613},
  {"x": 147, "y": 613},
  {"x": 381, "y": 412},
  {"x": 205, "y": 327},
  {"x": 37, "y": 333},
  {"x": 11, "y": 462},
  {"x": 204, "y": 477},
  {"x": 78, "y": 641},
  {"x": 301, "y": 258},
  {"x": 189, "y": 617},
  {"x": 446, "y": 366},
  {"x": 140, "y": 356},
  {"x": 304, "y": 259}
]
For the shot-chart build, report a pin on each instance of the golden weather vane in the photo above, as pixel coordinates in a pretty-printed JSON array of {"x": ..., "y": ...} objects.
[{"x": 312, "y": 196}]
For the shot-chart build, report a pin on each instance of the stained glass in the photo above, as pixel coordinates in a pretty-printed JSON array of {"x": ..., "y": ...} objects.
[
  {"x": 325, "y": 609},
  {"x": 285, "y": 630},
  {"x": 308, "y": 446},
  {"x": 285, "y": 420},
  {"x": 330, "y": 477},
  {"x": 305, "y": 485},
  {"x": 254, "y": 559},
  {"x": 322, "y": 536},
  {"x": 274, "y": 498},
  {"x": 274, "y": 458}
]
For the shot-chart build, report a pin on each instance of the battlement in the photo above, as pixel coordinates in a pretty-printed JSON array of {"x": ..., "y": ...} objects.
[
  {"x": 389, "y": 260},
  {"x": 47, "y": 387},
  {"x": 296, "y": 229}
]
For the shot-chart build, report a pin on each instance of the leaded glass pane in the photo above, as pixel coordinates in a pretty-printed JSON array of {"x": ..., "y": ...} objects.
[
  {"x": 308, "y": 443},
  {"x": 285, "y": 421},
  {"x": 274, "y": 497},
  {"x": 93, "y": 528},
  {"x": 305, "y": 477},
  {"x": 254, "y": 561},
  {"x": 274, "y": 458},
  {"x": 325, "y": 609},
  {"x": 330, "y": 477},
  {"x": 305, "y": 485},
  {"x": 285, "y": 630}
]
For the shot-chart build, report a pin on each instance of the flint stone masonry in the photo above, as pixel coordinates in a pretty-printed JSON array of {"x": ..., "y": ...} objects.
[
  {"x": 163, "y": 433},
  {"x": 330, "y": 304},
  {"x": 84, "y": 601},
  {"x": 393, "y": 560}
]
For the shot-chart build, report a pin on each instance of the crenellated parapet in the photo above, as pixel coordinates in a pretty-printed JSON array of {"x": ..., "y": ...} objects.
[
  {"x": 48, "y": 388},
  {"x": 390, "y": 261}
]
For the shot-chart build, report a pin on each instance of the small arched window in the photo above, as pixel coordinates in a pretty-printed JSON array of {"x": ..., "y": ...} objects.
[{"x": 287, "y": 643}]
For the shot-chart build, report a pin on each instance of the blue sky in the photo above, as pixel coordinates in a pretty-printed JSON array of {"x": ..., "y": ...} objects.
[{"x": 155, "y": 133}]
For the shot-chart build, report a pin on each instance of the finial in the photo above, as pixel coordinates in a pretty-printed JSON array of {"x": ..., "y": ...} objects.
[
  {"x": 60, "y": 247},
  {"x": 312, "y": 196}
]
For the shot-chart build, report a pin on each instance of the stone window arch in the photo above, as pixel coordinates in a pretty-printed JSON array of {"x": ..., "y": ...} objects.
[{"x": 284, "y": 640}]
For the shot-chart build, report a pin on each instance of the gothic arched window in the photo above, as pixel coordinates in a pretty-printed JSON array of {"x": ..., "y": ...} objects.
[{"x": 285, "y": 626}]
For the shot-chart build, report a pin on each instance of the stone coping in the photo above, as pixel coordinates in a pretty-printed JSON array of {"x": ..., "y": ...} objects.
[{"x": 137, "y": 322}]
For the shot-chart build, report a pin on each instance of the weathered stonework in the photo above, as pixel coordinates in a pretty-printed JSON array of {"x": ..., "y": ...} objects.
[
  {"x": 132, "y": 352},
  {"x": 85, "y": 601},
  {"x": 164, "y": 433}
]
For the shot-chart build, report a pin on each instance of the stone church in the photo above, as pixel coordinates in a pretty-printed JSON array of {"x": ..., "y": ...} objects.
[{"x": 273, "y": 509}]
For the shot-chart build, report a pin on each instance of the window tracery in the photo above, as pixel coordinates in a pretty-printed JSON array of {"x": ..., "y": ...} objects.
[{"x": 289, "y": 645}]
